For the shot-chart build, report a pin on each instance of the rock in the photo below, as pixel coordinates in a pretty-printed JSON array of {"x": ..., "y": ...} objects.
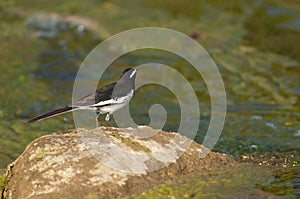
[{"x": 105, "y": 163}]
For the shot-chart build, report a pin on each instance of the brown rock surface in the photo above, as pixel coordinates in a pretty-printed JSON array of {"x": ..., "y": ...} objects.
[{"x": 105, "y": 163}]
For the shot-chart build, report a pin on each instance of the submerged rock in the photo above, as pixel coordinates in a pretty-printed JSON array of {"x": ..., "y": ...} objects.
[{"x": 105, "y": 163}]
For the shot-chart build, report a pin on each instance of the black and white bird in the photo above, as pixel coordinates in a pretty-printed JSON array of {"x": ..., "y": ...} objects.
[{"x": 105, "y": 100}]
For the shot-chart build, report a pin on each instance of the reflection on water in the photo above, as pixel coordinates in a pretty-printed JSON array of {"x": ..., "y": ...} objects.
[{"x": 257, "y": 55}]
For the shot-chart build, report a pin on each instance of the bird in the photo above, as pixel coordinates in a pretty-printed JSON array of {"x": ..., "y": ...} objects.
[{"x": 105, "y": 100}]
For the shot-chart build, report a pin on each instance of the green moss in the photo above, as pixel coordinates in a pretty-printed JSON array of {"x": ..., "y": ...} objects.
[
  {"x": 134, "y": 143},
  {"x": 236, "y": 182},
  {"x": 84, "y": 131},
  {"x": 72, "y": 133},
  {"x": 40, "y": 153},
  {"x": 281, "y": 184},
  {"x": 3, "y": 181}
]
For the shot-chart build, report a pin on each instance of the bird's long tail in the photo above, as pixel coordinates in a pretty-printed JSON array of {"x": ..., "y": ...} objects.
[{"x": 51, "y": 114}]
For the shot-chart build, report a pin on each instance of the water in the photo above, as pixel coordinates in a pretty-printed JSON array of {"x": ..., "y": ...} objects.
[{"x": 257, "y": 55}]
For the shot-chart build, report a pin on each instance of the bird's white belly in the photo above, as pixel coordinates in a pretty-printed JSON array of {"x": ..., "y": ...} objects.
[{"x": 116, "y": 104}]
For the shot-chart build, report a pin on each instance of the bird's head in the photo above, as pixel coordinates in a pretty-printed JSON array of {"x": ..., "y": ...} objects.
[{"x": 129, "y": 73}]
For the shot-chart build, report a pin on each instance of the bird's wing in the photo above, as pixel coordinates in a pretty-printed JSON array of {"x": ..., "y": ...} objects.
[{"x": 100, "y": 97}]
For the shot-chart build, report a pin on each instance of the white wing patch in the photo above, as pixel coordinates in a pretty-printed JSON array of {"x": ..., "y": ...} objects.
[
  {"x": 120, "y": 100},
  {"x": 112, "y": 104}
]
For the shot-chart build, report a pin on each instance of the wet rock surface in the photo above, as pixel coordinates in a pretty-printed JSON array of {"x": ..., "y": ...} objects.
[{"x": 105, "y": 163}]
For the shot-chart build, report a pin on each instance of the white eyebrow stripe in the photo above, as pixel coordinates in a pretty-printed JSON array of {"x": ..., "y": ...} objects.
[{"x": 131, "y": 75}]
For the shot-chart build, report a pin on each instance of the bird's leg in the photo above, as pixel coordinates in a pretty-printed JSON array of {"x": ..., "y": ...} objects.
[
  {"x": 107, "y": 117},
  {"x": 97, "y": 122}
]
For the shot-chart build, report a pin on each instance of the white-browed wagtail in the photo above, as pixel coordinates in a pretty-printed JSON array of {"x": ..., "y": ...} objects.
[{"x": 105, "y": 100}]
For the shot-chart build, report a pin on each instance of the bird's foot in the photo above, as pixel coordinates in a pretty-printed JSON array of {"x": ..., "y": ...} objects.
[
  {"x": 97, "y": 121},
  {"x": 109, "y": 123},
  {"x": 107, "y": 117}
]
